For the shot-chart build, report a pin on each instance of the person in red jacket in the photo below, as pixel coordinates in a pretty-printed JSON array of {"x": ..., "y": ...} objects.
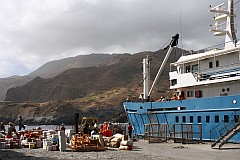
[{"x": 130, "y": 128}]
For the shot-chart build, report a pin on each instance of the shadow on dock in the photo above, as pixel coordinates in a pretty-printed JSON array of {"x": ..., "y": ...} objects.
[{"x": 10, "y": 154}]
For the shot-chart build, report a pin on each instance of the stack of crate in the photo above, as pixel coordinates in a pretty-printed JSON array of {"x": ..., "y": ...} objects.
[
  {"x": 12, "y": 143},
  {"x": 84, "y": 143},
  {"x": 2, "y": 143}
]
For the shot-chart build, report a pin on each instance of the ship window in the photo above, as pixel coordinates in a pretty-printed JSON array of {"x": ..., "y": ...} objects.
[
  {"x": 236, "y": 118},
  {"x": 217, "y": 63},
  {"x": 199, "y": 118},
  {"x": 184, "y": 119},
  {"x": 226, "y": 118},
  {"x": 141, "y": 107},
  {"x": 191, "y": 119},
  {"x": 207, "y": 119},
  {"x": 177, "y": 119},
  {"x": 194, "y": 68},
  {"x": 187, "y": 68},
  {"x": 210, "y": 65},
  {"x": 173, "y": 82},
  {"x": 189, "y": 93},
  {"x": 216, "y": 119},
  {"x": 198, "y": 93}
]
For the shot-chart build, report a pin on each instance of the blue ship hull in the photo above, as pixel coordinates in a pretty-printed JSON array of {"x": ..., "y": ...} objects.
[{"x": 208, "y": 112}]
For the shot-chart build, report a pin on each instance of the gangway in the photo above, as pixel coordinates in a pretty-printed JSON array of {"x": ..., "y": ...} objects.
[{"x": 224, "y": 131}]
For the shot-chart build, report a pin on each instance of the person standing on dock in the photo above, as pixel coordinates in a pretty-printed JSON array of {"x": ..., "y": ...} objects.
[
  {"x": 2, "y": 127},
  {"x": 62, "y": 127},
  {"x": 11, "y": 129},
  {"x": 130, "y": 128},
  {"x": 20, "y": 123}
]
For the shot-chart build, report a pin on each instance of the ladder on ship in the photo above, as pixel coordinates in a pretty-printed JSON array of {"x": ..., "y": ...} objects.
[{"x": 226, "y": 131}]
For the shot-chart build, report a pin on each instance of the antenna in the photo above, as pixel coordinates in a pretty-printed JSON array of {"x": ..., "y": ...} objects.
[
  {"x": 224, "y": 23},
  {"x": 181, "y": 30}
]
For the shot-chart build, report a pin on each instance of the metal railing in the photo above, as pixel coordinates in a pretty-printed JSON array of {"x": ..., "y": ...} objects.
[
  {"x": 220, "y": 72},
  {"x": 187, "y": 133},
  {"x": 155, "y": 132},
  {"x": 211, "y": 48}
]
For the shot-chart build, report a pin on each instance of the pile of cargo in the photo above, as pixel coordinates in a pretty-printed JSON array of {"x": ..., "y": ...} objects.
[
  {"x": 126, "y": 145},
  {"x": 10, "y": 143},
  {"x": 52, "y": 140},
  {"x": 31, "y": 139},
  {"x": 98, "y": 142},
  {"x": 85, "y": 143},
  {"x": 119, "y": 141}
]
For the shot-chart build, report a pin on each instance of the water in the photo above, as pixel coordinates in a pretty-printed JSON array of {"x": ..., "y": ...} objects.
[
  {"x": 43, "y": 127},
  {"x": 47, "y": 127}
]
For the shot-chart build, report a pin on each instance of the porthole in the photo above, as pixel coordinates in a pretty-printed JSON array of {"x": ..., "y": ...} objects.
[
  {"x": 223, "y": 90},
  {"x": 141, "y": 107},
  {"x": 228, "y": 89},
  {"x": 234, "y": 101}
]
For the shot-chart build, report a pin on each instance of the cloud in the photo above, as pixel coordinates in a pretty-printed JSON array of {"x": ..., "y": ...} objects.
[{"x": 34, "y": 32}]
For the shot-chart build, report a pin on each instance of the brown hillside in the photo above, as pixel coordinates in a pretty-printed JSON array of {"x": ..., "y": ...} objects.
[
  {"x": 91, "y": 91},
  {"x": 80, "y": 82},
  {"x": 53, "y": 68}
]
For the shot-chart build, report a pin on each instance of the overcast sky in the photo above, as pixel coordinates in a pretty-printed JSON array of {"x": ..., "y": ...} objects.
[{"x": 33, "y": 32}]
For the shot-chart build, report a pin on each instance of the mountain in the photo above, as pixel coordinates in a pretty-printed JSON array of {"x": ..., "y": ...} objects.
[
  {"x": 56, "y": 67},
  {"x": 80, "y": 82},
  {"x": 91, "y": 91},
  {"x": 53, "y": 68},
  {"x": 13, "y": 81}
]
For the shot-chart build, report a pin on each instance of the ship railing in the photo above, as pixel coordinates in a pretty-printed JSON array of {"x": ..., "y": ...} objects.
[
  {"x": 208, "y": 49},
  {"x": 220, "y": 72},
  {"x": 225, "y": 126},
  {"x": 219, "y": 27},
  {"x": 211, "y": 48}
]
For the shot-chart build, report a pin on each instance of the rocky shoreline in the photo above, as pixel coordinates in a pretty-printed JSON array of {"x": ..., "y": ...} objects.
[{"x": 56, "y": 113}]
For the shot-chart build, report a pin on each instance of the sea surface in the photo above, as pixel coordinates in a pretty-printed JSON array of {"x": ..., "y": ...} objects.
[
  {"x": 43, "y": 127},
  {"x": 48, "y": 127}
]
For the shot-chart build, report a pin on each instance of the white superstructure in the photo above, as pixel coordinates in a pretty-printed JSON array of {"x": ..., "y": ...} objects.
[{"x": 215, "y": 72}]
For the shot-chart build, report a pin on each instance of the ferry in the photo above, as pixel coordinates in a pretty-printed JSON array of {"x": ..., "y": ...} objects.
[{"x": 206, "y": 86}]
